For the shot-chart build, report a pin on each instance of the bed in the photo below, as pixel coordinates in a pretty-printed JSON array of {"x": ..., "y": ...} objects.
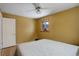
[{"x": 46, "y": 47}]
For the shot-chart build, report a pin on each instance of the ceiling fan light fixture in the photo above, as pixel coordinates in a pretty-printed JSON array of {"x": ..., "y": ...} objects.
[{"x": 38, "y": 11}]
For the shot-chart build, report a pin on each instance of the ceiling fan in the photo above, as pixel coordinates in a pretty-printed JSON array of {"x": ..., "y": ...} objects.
[{"x": 38, "y": 8}]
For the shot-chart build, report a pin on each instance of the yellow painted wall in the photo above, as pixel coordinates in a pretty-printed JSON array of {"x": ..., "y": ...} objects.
[
  {"x": 63, "y": 26},
  {"x": 0, "y": 14},
  {"x": 25, "y": 28}
]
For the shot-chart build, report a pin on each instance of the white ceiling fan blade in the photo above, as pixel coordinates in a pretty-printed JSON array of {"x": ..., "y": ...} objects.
[
  {"x": 36, "y": 12},
  {"x": 36, "y": 5}
]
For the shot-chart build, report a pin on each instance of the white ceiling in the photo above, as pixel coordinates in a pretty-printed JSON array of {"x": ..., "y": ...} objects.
[{"x": 28, "y": 10}]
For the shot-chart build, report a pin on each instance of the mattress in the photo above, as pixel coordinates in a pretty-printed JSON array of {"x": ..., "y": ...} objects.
[{"x": 45, "y": 47}]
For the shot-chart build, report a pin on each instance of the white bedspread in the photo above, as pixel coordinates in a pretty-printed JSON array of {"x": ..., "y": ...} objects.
[{"x": 46, "y": 47}]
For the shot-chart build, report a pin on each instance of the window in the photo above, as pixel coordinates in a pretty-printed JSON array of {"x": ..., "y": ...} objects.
[{"x": 44, "y": 27}]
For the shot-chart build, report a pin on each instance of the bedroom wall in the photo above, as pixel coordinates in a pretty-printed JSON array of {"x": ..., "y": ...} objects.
[
  {"x": 63, "y": 26},
  {"x": 25, "y": 28}
]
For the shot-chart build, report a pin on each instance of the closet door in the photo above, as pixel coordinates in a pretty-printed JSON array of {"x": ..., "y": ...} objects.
[
  {"x": 0, "y": 33},
  {"x": 9, "y": 32}
]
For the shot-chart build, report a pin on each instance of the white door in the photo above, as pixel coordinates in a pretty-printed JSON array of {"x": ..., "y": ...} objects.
[{"x": 9, "y": 32}]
